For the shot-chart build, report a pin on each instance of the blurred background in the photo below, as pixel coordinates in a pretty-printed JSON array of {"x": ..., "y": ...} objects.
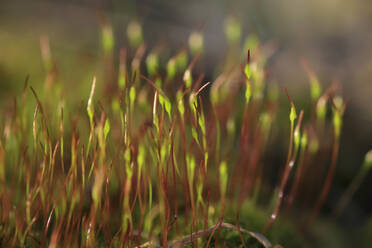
[{"x": 334, "y": 36}]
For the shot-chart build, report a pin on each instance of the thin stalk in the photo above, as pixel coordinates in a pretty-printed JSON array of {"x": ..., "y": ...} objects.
[
  {"x": 297, "y": 180},
  {"x": 338, "y": 112},
  {"x": 288, "y": 167},
  {"x": 353, "y": 187},
  {"x": 327, "y": 185},
  {"x": 61, "y": 130}
]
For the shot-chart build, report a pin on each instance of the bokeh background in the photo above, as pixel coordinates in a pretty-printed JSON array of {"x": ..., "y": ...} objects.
[{"x": 334, "y": 36}]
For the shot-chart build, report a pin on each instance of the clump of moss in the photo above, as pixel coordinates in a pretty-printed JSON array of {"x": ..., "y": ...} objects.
[{"x": 155, "y": 154}]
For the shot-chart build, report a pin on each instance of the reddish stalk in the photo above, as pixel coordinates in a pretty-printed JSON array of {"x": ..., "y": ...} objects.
[
  {"x": 327, "y": 184},
  {"x": 335, "y": 149},
  {"x": 288, "y": 167},
  {"x": 174, "y": 170},
  {"x": 243, "y": 151},
  {"x": 302, "y": 163},
  {"x": 219, "y": 223}
]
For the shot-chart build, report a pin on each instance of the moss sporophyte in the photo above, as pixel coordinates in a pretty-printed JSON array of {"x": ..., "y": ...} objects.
[{"x": 158, "y": 156}]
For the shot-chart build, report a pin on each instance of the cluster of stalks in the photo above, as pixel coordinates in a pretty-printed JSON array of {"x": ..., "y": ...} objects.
[{"x": 158, "y": 154}]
